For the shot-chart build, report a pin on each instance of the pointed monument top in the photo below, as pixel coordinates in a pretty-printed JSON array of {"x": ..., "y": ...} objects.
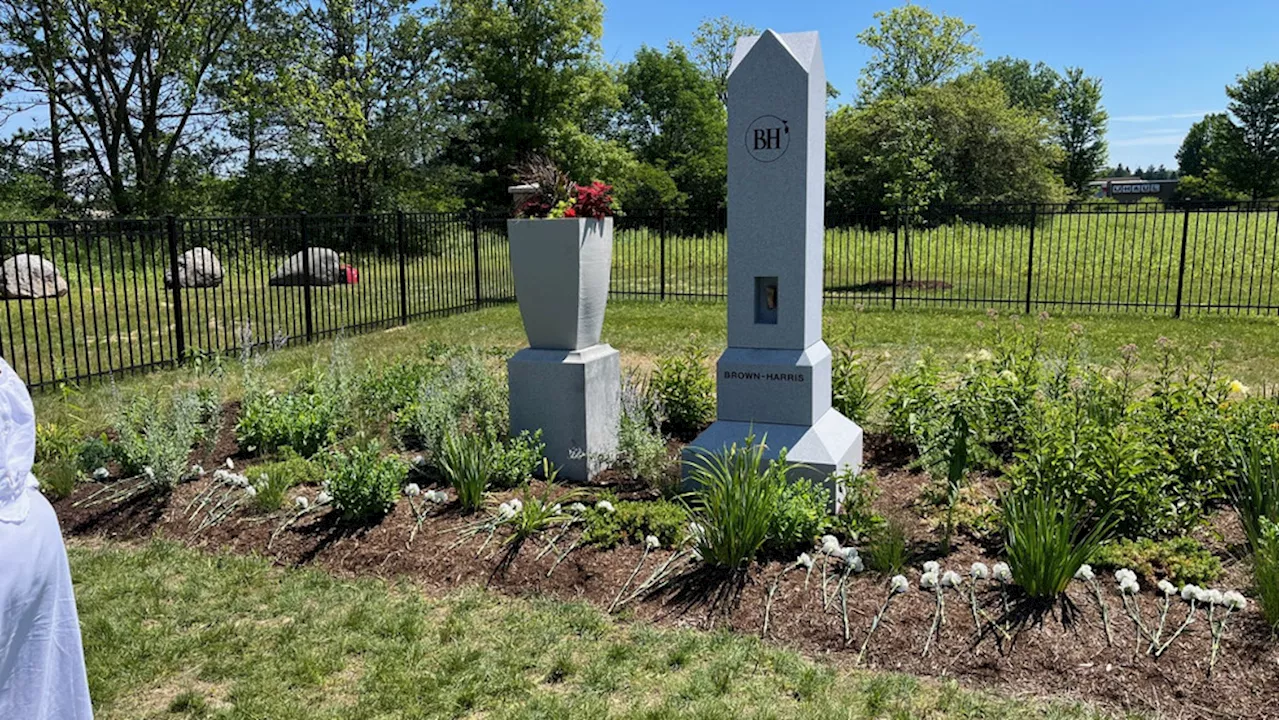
[{"x": 801, "y": 46}]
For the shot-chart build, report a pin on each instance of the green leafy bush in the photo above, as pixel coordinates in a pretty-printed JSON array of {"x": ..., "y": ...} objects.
[
  {"x": 1181, "y": 559},
  {"x": 306, "y": 419},
  {"x": 364, "y": 484},
  {"x": 57, "y": 478},
  {"x": 156, "y": 437},
  {"x": 685, "y": 391},
  {"x": 55, "y": 441},
  {"x": 1048, "y": 538},
  {"x": 736, "y": 504},
  {"x": 632, "y": 521},
  {"x": 1257, "y": 492},
  {"x": 1266, "y": 572},
  {"x": 386, "y": 390},
  {"x": 511, "y": 461},
  {"x": 853, "y": 390},
  {"x": 273, "y": 480},
  {"x": 95, "y": 452},
  {"x": 464, "y": 397},
  {"x": 465, "y": 461},
  {"x": 801, "y": 516},
  {"x": 856, "y": 518}
]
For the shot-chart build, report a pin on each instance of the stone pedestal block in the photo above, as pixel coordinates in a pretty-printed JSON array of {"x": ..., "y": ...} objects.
[{"x": 574, "y": 398}]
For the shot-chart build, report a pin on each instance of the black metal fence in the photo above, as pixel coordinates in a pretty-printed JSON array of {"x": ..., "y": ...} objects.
[{"x": 117, "y": 313}]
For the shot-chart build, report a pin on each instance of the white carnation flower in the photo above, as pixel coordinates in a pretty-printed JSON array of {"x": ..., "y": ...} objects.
[
  {"x": 505, "y": 511},
  {"x": 1214, "y": 596},
  {"x": 805, "y": 561},
  {"x": 101, "y": 474},
  {"x": 899, "y": 584},
  {"x": 932, "y": 566},
  {"x": 196, "y": 469},
  {"x": 952, "y": 579},
  {"x": 1125, "y": 574},
  {"x": 555, "y": 509},
  {"x": 651, "y": 542},
  {"x": 419, "y": 461},
  {"x": 1203, "y": 596},
  {"x": 577, "y": 508},
  {"x": 251, "y": 491},
  {"x": 979, "y": 571},
  {"x": 1129, "y": 586},
  {"x": 830, "y": 545},
  {"x": 412, "y": 490},
  {"x": 929, "y": 580},
  {"x": 516, "y": 505},
  {"x": 1167, "y": 588},
  {"x": 1085, "y": 573},
  {"x": 149, "y": 472},
  {"x": 1190, "y": 592},
  {"x": 604, "y": 506},
  {"x": 1234, "y": 600},
  {"x": 323, "y": 498},
  {"x": 230, "y": 465},
  {"x": 1000, "y": 571},
  {"x": 301, "y": 502}
]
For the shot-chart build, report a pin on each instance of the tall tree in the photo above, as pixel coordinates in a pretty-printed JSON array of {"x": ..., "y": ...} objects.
[
  {"x": 1254, "y": 100},
  {"x": 521, "y": 76},
  {"x": 1206, "y": 145},
  {"x": 1081, "y": 125},
  {"x": 671, "y": 118},
  {"x": 713, "y": 44},
  {"x": 1028, "y": 87},
  {"x": 33, "y": 34},
  {"x": 911, "y": 49}
]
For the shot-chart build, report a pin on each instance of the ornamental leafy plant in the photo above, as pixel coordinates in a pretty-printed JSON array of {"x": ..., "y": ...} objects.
[
  {"x": 556, "y": 196},
  {"x": 685, "y": 390},
  {"x": 363, "y": 483},
  {"x": 736, "y": 504}
]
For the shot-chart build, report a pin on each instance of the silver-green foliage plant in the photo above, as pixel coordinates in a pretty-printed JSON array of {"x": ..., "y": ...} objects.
[
  {"x": 683, "y": 387},
  {"x": 737, "y": 501},
  {"x": 465, "y": 397},
  {"x": 307, "y": 418},
  {"x": 155, "y": 436},
  {"x": 363, "y": 483},
  {"x": 1047, "y": 539},
  {"x": 642, "y": 450}
]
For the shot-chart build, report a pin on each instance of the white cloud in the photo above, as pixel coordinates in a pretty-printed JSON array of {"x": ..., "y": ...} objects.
[{"x": 1158, "y": 118}]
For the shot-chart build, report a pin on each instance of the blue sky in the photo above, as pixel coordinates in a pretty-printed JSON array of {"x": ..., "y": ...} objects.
[{"x": 1163, "y": 63}]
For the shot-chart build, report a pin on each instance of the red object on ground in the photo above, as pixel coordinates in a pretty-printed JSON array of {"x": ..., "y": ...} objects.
[{"x": 350, "y": 275}]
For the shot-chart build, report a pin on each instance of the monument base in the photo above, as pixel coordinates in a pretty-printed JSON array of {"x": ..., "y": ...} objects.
[
  {"x": 574, "y": 397},
  {"x": 831, "y": 444}
]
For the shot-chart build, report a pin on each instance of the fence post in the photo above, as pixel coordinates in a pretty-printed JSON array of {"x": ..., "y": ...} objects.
[
  {"x": 662, "y": 254},
  {"x": 475, "y": 250},
  {"x": 401, "y": 252},
  {"x": 306, "y": 275},
  {"x": 1182, "y": 262},
  {"x": 1031, "y": 251},
  {"x": 893, "y": 301},
  {"x": 179, "y": 332}
]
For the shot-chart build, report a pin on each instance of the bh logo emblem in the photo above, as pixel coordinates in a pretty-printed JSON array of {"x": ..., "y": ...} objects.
[{"x": 767, "y": 138}]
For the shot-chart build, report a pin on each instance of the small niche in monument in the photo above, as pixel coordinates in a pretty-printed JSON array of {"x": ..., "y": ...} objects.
[{"x": 767, "y": 300}]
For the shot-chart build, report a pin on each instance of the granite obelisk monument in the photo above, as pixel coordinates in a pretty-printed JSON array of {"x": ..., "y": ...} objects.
[{"x": 774, "y": 380}]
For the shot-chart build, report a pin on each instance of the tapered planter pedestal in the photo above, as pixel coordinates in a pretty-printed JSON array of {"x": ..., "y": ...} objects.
[{"x": 566, "y": 383}]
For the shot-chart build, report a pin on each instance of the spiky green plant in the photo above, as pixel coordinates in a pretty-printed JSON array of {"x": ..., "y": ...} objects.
[
  {"x": 465, "y": 462},
  {"x": 737, "y": 498},
  {"x": 1266, "y": 572},
  {"x": 1257, "y": 493},
  {"x": 1048, "y": 538}
]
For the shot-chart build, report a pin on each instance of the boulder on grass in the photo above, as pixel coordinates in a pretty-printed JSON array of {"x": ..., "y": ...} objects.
[
  {"x": 30, "y": 277},
  {"x": 325, "y": 269},
  {"x": 197, "y": 268}
]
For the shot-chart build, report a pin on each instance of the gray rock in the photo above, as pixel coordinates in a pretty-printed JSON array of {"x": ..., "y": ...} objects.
[
  {"x": 325, "y": 269},
  {"x": 197, "y": 268},
  {"x": 28, "y": 277}
]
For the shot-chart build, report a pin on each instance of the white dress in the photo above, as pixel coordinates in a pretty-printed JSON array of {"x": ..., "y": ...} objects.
[{"x": 42, "y": 675}]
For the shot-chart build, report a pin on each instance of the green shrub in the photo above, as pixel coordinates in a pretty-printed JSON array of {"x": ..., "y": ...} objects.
[
  {"x": 511, "y": 461},
  {"x": 885, "y": 550},
  {"x": 853, "y": 392},
  {"x": 57, "y": 478},
  {"x": 685, "y": 391},
  {"x": 1257, "y": 493},
  {"x": 55, "y": 441},
  {"x": 363, "y": 483},
  {"x": 386, "y": 390},
  {"x": 464, "y": 397},
  {"x": 95, "y": 452},
  {"x": 632, "y": 521},
  {"x": 273, "y": 480},
  {"x": 306, "y": 419},
  {"x": 1047, "y": 539},
  {"x": 736, "y": 504},
  {"x": 856, "y": 518},
  {"x": 1181, "y": 559},
  {"x": 465, "y": 463},
  {"x": 801, "y": 516},
  {"x": 1266, "y": 572},
  {"x": 156, "y": 437}
]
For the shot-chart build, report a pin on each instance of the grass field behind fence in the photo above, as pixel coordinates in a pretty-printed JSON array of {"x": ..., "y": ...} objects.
[{"x": 119, "y": 316}]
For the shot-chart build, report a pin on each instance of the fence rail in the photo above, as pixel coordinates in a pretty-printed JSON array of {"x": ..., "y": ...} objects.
[{"x": 117, "y": 313}]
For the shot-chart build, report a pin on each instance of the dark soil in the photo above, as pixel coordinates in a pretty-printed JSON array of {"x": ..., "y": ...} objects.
[{"x": 1059, "y": 652}]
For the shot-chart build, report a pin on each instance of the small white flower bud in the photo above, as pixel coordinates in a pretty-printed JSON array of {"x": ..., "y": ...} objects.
[
  {"x": 979, "y": 571},
  {"x": 301, "y": 502},
  {"x": 805, "y": 561},
  {"x": 899, "y": 584},
  {"x": 651, "y": 542}
]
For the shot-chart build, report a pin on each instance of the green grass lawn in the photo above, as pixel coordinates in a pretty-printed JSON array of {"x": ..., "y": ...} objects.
[
  {"x": 174, "y": 633},
  {"x": 642, "y": 330}
]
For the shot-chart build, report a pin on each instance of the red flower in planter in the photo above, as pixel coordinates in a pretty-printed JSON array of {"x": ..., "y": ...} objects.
[{"x": 594, "y": 201}]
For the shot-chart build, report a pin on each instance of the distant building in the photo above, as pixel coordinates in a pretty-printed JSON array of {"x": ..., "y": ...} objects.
[{"x": 1131, "y": 189}]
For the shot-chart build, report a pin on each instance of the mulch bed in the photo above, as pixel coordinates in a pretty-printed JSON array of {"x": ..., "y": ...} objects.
[{"x": 1057, "y": 652}]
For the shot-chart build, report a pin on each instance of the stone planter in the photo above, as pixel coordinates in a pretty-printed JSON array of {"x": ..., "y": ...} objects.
[{"x": 561, "y": 270}]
